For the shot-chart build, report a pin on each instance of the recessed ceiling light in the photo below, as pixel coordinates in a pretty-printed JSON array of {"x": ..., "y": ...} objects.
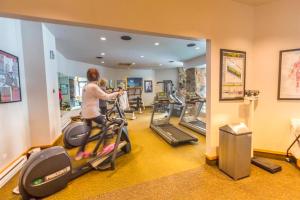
[
  {"x": 133, "y": 63},
  {"x": 102, "y": 62},
  {"x": 103, "y": 38},
  {"x": 126, "y": 37},
  {"x": 142, "y": 56},
  {"x": 160, "y": 64},
  {"x": 156, "y": 43},
  {"x": 103, "y": 54},
  {"x": 197, "y": 48},
  {"x": 191, "y": 45}
]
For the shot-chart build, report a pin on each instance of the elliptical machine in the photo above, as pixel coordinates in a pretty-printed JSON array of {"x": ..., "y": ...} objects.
[
  {"x": 50, "y": 170},
  {"x": 75, "y": 132}
]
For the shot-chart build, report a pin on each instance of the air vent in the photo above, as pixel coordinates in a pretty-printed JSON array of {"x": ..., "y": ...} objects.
[
  {"x": 124, "y": 64},
  {"x": 171, "y": 61},
  {"x": 191, "y": 45},
  {"x": 126, "y": 37},
  {"x": 99, "y": 57}
]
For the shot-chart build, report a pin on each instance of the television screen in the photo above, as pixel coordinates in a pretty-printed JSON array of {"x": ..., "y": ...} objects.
[{"x": 134, "y": 82}]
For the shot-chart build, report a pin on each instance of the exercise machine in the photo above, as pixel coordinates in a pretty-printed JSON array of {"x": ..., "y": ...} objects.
[
  {"x": 75, "y": 132},
  {"x": 190, "y": 114},
  {"x": 50, "y": 170},
  {"x": 295, "y": 123},
  {"x": 168, "y": 88},
  {"x": 171, "y": 134},
  {"x": 135, "y": 99},
  {"x": 251, "y": 96}
]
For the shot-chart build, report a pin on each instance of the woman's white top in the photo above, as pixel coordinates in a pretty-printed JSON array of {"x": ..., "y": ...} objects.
[{"x": 90, "y": 100}]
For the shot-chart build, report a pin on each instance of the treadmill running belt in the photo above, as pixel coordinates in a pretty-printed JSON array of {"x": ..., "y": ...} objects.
[
  {"x": 177, "y": 133},
  {"x": 199, "y": 124}
]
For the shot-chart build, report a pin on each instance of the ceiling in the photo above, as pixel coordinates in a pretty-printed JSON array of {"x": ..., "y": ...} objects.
[
  {"x": 254, "y": 2},
  {"x": 84, "y": 45}
]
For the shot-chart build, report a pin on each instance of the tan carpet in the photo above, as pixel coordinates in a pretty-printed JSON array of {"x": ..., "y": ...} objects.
[
  {"x": 208, "y": 183},
  {"x": 151, "y": 158}
]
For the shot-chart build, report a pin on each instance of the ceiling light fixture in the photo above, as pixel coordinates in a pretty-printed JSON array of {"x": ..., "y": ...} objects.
[
  {"x": 160, "y": 64},
  {"x": 156, "y": 43},
  {"x": 103, "y": 38},
  {"x": 102, "y": 62},
  {"x": 142, "y": 56},
  {"x": 133, "y": 63},
  {"x": 103, "y": 54},
  {"x": 197, "y": 48}
]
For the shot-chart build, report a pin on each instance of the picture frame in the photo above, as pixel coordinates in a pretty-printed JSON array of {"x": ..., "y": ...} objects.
[
  {"x": 289, "y": 75},
  {"x": 232, "y": 75},
  {"x": 148, "y": 86},
  {"x": 10, "y": 85}
]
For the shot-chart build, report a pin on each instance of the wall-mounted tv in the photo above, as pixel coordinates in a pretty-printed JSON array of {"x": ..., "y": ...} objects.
[{"x": 135, "y": 82}]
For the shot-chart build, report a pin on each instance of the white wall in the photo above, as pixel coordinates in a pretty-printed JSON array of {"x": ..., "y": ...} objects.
[
  {"x": 36, "y": 83},
  {"x": 52, "y": 83},
  {"x": 276, "y": 28},
  {"x": 14, "y": 131}
]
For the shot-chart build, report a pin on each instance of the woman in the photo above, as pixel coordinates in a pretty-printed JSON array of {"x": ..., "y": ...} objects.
[
  {"x": 103, "y": 103},
  {"x": 91, "y": 95}
]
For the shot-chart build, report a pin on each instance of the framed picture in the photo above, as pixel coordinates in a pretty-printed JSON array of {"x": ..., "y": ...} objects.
[
  {"x": 289, "y": 75},
  {"x": 232, "y": 75},
  {"x": 134, "y": 82},
  {"x": 10, "y": 89},
  {"x": 64, "y": 89},
  {"x": 148, "y": 87}
]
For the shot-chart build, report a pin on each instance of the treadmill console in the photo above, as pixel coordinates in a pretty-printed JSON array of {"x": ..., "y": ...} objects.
[
  {"x": 192, "y": 97},
  {"x": 162, "y": 96}
]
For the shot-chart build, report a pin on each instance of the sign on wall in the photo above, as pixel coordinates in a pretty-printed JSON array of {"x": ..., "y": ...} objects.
[
  {"x": 10, "y": 90},
  {"x": 232, "y": 74}
]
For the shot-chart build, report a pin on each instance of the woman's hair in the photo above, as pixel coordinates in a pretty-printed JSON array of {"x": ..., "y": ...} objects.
[
  {"x": 92, "y": 74},
  {"x": 102, "y": 83}
]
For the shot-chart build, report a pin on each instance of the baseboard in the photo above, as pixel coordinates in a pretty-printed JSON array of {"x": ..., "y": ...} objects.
[
  {"x": 277, "y": 155},
  {"x": 211, "y": 160},
  {"x": 25, "y": 153},
  {"x": 12, "y": 170}
]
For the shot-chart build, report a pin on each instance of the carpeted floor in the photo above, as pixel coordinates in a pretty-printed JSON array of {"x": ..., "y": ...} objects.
[
  {"x": 151, "y": 158},
  {"x": 155, "y": 170},
  {"x": 209, "y": 183}
]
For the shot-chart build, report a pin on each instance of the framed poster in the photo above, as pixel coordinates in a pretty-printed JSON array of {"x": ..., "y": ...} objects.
[
  {"x": 148, "y": 87},
  {"x": 10, "y": 89},
  {"x": 289, "y": 75},
  {"x": 135, "y": 82},
  {"x": 232, "y": 75}
]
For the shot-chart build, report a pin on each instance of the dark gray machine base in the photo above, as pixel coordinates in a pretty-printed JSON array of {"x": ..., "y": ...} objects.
[{"x": 266, "y": 165}]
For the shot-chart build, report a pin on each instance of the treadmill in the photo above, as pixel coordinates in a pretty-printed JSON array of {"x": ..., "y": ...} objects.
[
  {"x": 190, "y": 113},
  {"x": 171, "y": 134}
]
